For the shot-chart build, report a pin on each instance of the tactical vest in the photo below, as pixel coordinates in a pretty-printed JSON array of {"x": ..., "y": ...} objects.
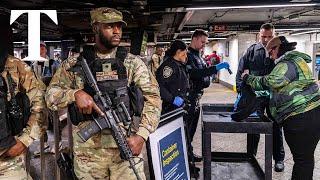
[
  {"x": 111, "y": 77},
  {"x": 6, "y": 139}
]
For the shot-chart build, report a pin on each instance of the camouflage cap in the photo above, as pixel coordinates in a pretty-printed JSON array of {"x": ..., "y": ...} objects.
[{"x": 106, "y": 15}]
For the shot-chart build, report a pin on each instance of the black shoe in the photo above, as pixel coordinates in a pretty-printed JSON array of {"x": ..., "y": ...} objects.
[
  {"x": 279, "y": 166},
  {"x": 194, "y": 171},
  {"x": 196, "y": 158}
]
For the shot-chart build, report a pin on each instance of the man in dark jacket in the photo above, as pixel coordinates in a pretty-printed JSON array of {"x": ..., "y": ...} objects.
[
  {"x": 257, "y": 61},
  {"x": 199, "y": 75}
]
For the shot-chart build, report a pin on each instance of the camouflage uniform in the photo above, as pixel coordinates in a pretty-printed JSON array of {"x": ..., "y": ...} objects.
[
  {"x": 25, "y": 80},
  {"x": 293, "y": 90},
  {"x": 155, "y": 63},
  {"x": 99, "y": 158}
]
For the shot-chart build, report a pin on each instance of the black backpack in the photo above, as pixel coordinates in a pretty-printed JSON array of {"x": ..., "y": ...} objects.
[
  {"x": 247, "y": 103},
  {"x": 6, "y": 138}
]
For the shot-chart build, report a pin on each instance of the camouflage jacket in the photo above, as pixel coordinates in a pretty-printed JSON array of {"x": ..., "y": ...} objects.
[
  {"x": 293, "y": 89},
  {"x": 26, "y": 81},
  {"x": 155, "y": 63},
  {"x": 65, "y": 83}
]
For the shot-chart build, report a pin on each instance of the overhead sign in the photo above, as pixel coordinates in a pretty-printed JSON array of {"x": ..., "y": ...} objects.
[
  {"x": 169, "y": 153},
  {"x": 235, "y": 27}
]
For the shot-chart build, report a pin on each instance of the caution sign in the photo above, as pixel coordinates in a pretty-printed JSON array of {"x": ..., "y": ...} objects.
[{"x": 169, "y": 154}]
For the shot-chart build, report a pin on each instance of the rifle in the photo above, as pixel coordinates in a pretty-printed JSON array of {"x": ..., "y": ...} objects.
[
  {"x": 110, "y": 119},
  {"x": 65, "y": 163}
]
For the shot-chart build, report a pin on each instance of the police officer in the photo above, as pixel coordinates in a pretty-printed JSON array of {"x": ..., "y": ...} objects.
[
  {"x": 172, "y": 77},
  {"x": 22, "y": 102},
  {"x": 258, "y": 63},
  {"x": 99, "y": 157},
  {"x": 199, "y": 75}
]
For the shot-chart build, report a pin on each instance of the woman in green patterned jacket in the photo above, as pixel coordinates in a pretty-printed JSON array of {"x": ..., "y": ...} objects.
[{"x": 294, "y": 102}]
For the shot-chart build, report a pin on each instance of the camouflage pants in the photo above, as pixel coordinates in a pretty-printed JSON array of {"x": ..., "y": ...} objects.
[
  {"x": 91, "y": 161},
  {"x": 13, "y": 168}
]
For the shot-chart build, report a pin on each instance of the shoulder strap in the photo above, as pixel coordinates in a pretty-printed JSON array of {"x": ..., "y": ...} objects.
[
  {"x": 88, "y": 53},
  {"x": 11, "y": 84},
  {"x": 121, "y": 53}
]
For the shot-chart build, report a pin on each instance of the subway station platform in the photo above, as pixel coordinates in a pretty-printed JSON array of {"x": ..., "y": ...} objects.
[{"x": 216, "y": 93}]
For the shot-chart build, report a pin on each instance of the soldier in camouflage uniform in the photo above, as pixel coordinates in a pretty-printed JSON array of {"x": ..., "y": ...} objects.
[
  {"x": 99, "y": 158},
  {"x": 23, "y": 80},
  {"x": 294, "y": 102},
  {"x": 12, "y": 162}
]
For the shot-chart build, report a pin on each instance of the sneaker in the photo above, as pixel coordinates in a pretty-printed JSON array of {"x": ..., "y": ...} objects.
[
  {"x": 195, "y": 158},
  {"x": 194, "y": 171}
]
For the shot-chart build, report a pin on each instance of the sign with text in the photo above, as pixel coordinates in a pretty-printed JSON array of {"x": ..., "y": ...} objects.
[
  {"x": 34, "y": 30},
  {"x": 169, "y": 153},
  {"x": 235, "y": 27}
]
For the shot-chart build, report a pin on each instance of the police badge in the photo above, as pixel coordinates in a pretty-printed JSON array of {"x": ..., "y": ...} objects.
[{"x": 167, "y": 71}]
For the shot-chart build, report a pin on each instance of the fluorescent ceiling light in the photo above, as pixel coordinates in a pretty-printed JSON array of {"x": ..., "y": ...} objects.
[
  {"x": 68, "y": 40},
  {"x": 254, "y": 6},
  {"x": 52, "y": 41},
  {"x": 300, "y": 1},
  {"x": 19, "y": 42},
  {"x": 305, "y": 32},
  {"x": 214, "y": 38},
  {"x": 193, "y": 31},
  {"x": 164, "y": 42},
  {"x": 297, "y": 29},
  {"x": 217, "y": 38}
]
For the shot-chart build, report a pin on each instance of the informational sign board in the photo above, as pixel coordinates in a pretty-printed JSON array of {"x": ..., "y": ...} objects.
[{"x": 169, "y": 153}]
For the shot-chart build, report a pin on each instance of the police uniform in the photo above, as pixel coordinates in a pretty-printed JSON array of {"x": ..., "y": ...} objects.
[
  {"x": 99, "y": 157},
  {"x": 173, "y": 81},
  {"x": 199, "y": 75},
  {"x": 23, "y": 80}
]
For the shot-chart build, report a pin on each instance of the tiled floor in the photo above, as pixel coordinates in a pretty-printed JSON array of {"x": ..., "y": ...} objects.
[{"x": 217, "y": 93}]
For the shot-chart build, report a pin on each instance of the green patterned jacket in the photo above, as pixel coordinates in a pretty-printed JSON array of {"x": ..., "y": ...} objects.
[{"x": 293, "y": 90}]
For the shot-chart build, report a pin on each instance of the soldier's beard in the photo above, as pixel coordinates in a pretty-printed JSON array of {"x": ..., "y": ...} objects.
[{"x": 106, "y": 42}]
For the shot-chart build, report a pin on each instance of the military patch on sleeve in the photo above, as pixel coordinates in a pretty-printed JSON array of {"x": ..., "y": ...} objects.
[{"x": 167, "y": 71}]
